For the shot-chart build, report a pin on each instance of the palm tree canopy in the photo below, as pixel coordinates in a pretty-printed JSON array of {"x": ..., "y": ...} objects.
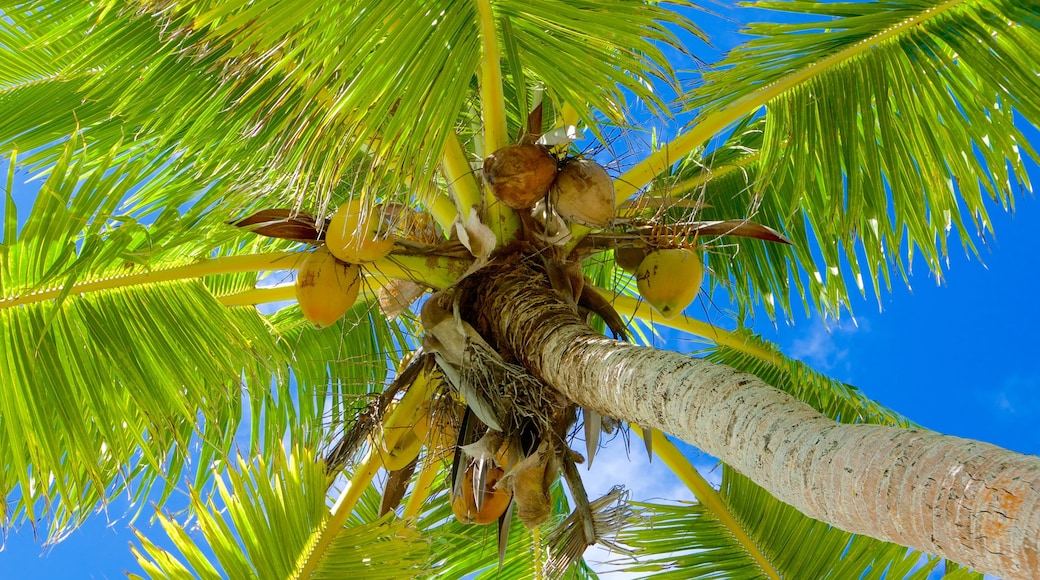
[{"x": 864, "y": 133}]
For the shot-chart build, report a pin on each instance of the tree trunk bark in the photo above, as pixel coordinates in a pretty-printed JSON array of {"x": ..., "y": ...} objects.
[{"x": 968, "y": 501}]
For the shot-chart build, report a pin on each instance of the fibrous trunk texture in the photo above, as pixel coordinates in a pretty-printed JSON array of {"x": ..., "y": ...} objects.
[{"x": 968, "y": 501}]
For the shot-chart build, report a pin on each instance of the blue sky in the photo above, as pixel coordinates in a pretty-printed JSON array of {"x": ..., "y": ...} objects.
[{"x": 960, "y": 358}]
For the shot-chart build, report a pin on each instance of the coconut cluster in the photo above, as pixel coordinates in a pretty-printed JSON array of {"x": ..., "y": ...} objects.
[
  {"x": 329, "y": 279},
  {"x": 580, "y": 190}
]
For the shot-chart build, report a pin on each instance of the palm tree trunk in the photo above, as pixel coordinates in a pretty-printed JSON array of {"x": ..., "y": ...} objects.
[{"x": 968, "y": 501}]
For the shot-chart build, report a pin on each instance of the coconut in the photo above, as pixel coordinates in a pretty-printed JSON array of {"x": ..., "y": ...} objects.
[
  {"x": 520, "y": 175},
  {"x": 356, "y": 233},
  {"x": 670, "y": 279},
  {"x": 493, "y": 504},
  {"x": 326, "y": 288},
  {"x": 584, "y": 193}
]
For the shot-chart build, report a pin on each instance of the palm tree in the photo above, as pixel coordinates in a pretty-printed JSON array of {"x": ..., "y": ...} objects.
[{"x": 195, "y": 150}]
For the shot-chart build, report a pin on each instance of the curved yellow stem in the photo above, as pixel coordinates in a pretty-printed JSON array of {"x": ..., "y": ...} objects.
[
  {"x": 707, "y": 496},
  {"x": 200, "y": 269},
  {"x": 710, "y": 173},
  {"x": 255, "y": 296},
  {"x": 492, "y": 98},
  {"x": 443, "y": 210},
  {"x": 629, "y": 306},
  {"x": 434, "y": 271},
  {"x": 394, "y": 426},
  {"x": 460, "y": 177},
  {"x": 268, "y": 294},
  {"x": 423, "y": 486},
  {"x": 501, "y": 219},
  {"x": 341, "y": 511}
]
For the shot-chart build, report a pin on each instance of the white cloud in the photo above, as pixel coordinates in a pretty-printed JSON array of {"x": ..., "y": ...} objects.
[
  {"x": 645, "y": 480},
  {"x": 1015, "y": 396},
  {"x": 821, "y": 347}
]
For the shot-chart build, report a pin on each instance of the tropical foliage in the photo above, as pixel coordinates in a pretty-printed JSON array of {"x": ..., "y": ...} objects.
[{"x": 140, "y": 351}]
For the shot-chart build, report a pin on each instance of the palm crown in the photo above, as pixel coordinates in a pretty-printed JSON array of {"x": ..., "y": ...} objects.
[{"x": 195, "y": 152}]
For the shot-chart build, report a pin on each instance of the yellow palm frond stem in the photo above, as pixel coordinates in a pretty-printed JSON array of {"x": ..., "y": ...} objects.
[
  {"x": 268, "y": 294},
  {"x": 501, "y": 219},
  {"x": 640, "y": 175},
  {"x": 264, "y": 295},
  {"x": 629, "y": 306},
  {"x": 434, "y": 271},
  {"x": 687, "y": 185},
  {"x": 443, "y": 210},
  {"x": 578, "y": 233},
  {"x": 706, "y": 496},
  {"x": 200, "y": 269},
  {"x": 341, "y": 510},
  {"x": 492, "y": 99},
  {"x": 403, "y": 431},
  {"x": 458, "y": 172},
  {"x": 394, "y": 426},
  {"x": 431, "y": 466}
]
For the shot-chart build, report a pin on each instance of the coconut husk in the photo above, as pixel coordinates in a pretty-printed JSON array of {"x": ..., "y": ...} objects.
[{"x": 520, "y": 175}]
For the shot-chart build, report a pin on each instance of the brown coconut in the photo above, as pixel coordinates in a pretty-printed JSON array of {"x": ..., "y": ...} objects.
[
  {"x": 520, "y": 175},
  {"x": 584, "y": 193}
]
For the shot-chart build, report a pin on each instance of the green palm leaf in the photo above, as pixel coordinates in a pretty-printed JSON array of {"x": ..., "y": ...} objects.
[
  {"x": 260, "y": 521},
  {"x": 687, "y": 541},
  {"x": 240, "y": 85},
  {"x": 114, "y": 379},
  {"x": 926, "y": 94}
]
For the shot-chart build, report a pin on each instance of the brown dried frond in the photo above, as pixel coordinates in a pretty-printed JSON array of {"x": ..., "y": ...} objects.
[{"x": 567, "y": 542}]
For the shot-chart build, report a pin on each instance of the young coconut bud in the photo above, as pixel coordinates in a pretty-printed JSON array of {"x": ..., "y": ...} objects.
[
  {"x": 628, "y": 258},
  {"x": 326, "y": 288},
  {"x": 584, "y": 193},
  {"x": 355, "y": 234},
  {"x": 494, "y": 503},
  {"x": 520, "y": 175},
  {"x": 670, "y": 279}
]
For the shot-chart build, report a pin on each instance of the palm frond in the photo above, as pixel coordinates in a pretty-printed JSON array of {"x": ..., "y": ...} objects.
[
  {"x": 462, "y": 550},
  {"x": 686, "y": 541},
  {"x": 260, "y": 523},
  {"x": 112, "y": 380},
  {"x": 111, "y": 383},
  {"x": 247, "y": 93},
  {"x": 881, "y": 136}
]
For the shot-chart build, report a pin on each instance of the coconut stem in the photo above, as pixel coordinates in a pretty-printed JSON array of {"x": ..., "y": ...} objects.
[
  {"x": 200, "y": 269},
  {"x": 460, "y": 176},
  {"x": 492, "y": 98},
  {"x": 629, "y": 306}
]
